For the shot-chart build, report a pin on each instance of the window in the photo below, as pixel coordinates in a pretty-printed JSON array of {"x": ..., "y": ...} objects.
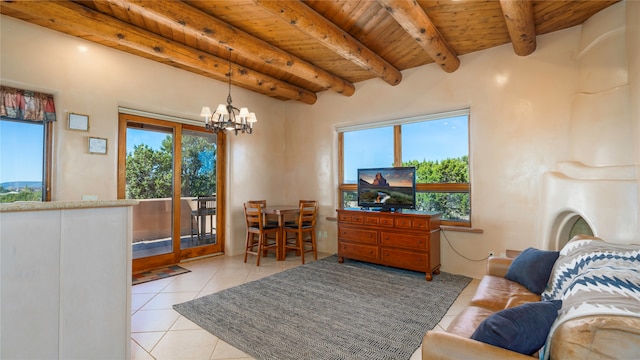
[
  {"x": 25, "y": 144},
  {"x": 437, "y": 145},
  {"x": 23, "y": 171}
]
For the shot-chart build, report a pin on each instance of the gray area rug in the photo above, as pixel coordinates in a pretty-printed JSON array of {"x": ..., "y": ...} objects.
[{"x": 327, "y": 310}]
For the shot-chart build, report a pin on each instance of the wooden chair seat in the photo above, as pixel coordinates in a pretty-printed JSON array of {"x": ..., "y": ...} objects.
[
  {"x": 266, "y": 227},
  {"x": 293, "y": 225}
]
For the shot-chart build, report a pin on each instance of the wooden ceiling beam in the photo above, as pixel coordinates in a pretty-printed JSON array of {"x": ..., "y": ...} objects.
[
  {"x": 182, "y": 17},
  {"x": 305, "y": 19},
  {"x": 518, "y": 15},
  {"x": 415, "y": 21},
  {"x": 73, "y": 19}
]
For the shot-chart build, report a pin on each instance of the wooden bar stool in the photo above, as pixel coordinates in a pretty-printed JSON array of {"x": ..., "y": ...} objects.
[
  {"x": 258, "y": 240},
  {"x": 303, "y": 230}
]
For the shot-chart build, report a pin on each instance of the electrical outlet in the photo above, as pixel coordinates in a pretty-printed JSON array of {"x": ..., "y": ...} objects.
[{"x": 490, "y": 253}]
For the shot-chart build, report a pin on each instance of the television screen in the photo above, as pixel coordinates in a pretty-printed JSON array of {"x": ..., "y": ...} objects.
[{"x": 387, "y": 188}]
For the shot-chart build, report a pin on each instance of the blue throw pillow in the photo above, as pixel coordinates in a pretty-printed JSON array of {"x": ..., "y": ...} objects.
[
  {"x": 523, "y": 328},
  {"x": 532, "y": 269}
]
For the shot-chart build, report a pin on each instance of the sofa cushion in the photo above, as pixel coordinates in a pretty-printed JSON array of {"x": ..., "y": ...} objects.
[
  {"x": 468, "y": 320},
  {"x": 523, "y": 328},
  {"x": 497, "y": 293},
  {"x": 532, "y": 268}
]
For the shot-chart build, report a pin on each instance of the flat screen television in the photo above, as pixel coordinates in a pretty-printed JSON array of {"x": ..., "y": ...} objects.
[{"x": 387, "y": 189}]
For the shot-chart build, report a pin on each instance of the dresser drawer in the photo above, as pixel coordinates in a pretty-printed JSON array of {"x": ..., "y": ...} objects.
[
  {"x": 368, "y": 253},
  {"x": 409, "y": 241},
  {"x": 420, "y": 224},
  {"x": 405, "y": 259},
  {"x": 403, "y": 223},
  {"x": 371, "y": 220},
  {"x": 412, "y": 223},
  {"x": 358, "y": 235},
  {"x": 386, "y": 221},
  {"x": 350, "y": 218}
]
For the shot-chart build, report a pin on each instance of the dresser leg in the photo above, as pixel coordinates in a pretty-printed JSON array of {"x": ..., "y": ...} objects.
[
  {"x": 340, "y": 259},
  {"x": 428, "y": 276}
]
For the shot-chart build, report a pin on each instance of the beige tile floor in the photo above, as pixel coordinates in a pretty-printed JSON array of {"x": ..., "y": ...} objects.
[{"x": 159, "y": 332}]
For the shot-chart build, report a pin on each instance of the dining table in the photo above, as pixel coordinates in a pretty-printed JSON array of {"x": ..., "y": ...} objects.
[{"x": 282, "y": 212}]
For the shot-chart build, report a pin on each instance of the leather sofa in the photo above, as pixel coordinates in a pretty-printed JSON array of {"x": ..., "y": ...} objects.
[{"x": 589, "y": 337}]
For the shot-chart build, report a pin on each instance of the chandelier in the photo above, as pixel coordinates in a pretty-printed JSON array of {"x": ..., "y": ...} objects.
[{"x": 228, "y": 117}]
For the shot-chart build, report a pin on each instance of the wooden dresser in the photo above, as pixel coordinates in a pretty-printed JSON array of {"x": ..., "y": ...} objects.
[{"x": 409, "y": 240}]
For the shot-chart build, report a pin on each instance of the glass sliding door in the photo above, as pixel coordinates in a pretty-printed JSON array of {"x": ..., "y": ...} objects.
[
  {"x": 149, "y": 179},
  {"x": 198, "y": 190},
  {"x": 172, "y": 170}
]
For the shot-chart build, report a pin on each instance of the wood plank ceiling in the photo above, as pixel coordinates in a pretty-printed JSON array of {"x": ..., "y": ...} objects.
[{"x": 291, "y": 50}]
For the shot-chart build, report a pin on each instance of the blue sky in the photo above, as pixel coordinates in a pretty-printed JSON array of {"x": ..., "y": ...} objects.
[
  {"x": 20, "y": 151},
  {"x": 152, "y": 138},
  {"x": 427, "y": 140}
]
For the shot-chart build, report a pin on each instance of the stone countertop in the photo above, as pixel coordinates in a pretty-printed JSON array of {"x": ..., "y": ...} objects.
[{"x": 63, "y": 205}]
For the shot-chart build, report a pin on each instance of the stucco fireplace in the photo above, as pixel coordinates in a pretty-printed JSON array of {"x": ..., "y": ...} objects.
[
  {"x": 604, "y": 197},
  {"x": 598, "y": 187}
]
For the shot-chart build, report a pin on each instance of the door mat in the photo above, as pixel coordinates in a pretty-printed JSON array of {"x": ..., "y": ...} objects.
[{"x": 156, "y": 274}]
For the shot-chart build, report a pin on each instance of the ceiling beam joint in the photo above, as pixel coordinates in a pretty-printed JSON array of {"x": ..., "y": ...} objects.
[
  {"x": 518, "y": 15},
  {"x": 412, "y": 18}
]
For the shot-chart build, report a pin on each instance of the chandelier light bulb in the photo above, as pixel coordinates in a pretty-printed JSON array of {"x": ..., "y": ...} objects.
[{"x": 222, "y": 109}]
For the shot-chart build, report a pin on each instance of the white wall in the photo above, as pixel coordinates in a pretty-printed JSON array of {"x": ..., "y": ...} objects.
[
  {"x": 601, "y": 105},
  {"x": 521, "y": 112},
  {"x": 633, "y": 61}
]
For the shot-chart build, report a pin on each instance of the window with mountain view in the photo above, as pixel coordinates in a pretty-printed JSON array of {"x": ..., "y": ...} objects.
[
  {"x": 436, "y": 145},
  {"x": 22, "y": 146}
]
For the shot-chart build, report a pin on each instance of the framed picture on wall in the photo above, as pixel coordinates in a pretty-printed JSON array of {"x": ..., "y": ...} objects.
[
  {"x": 97, "y": 145},
  {"x": 78, "y": 122}
]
